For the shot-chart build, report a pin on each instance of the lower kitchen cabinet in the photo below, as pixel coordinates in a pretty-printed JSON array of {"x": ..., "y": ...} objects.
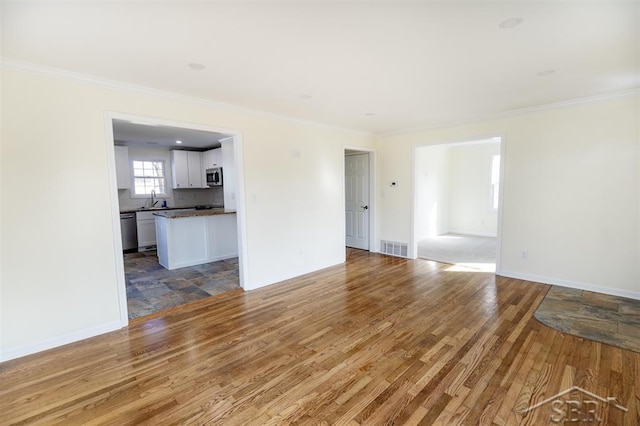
[{"x": 146, "y": 223}]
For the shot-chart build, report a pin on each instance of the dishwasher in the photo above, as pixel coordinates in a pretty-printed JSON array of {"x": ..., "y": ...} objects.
[{"x": 129, "y": 231}]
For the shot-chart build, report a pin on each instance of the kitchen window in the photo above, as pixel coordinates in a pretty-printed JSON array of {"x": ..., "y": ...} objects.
[{"x": 149, "y": 176}]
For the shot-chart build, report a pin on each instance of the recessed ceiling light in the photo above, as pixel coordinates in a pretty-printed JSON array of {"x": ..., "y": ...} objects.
[
  {"x": 546, "y": 72},
  {"x": 196, "y": 66},
  {"x": 510, "y": 23},
  {"x": 178, "y": 142},
  {"x": 305, "y": 97},
  {"x": 369, "y": 114}
]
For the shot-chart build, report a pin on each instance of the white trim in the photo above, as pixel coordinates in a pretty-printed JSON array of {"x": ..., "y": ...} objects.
[
  {"x": 115, "y": 210},
  {"x": 295, "y": 274},
  {"x": 121, "y": 286},
  {"x": 503, "y": 151},
  {"x": 188, "y": 263},
  {"x": 571, "y": 284},
  {"x": 241, "y": 215},
  {"x": 412, "y": 250},
  {"x": 474, "y": 234},
  {"x": 373, "y": 237},
  {"x": 513, "y": 113},
  {"x": 60, "y": 340},
  {"x": 17, "y": 65}
]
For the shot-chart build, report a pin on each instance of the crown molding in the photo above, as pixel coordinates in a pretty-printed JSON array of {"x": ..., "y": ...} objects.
[
  {"x": 515, "y": 112},
  {"x": 14, "y": 64},
  {"x": 17, "y": 65}
]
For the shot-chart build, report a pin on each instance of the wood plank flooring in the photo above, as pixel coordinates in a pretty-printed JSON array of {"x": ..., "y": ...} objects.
[{"x": 379, "y": 340}]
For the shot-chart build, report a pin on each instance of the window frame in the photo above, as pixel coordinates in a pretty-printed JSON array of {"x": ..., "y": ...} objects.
[{"x": 132, "y": 183}]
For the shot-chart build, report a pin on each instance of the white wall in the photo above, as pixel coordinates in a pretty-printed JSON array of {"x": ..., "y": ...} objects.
[
  {"x": 470, "y": 190},
  {"x": 433, "y": 187},
  {"x": 174, "y": 197},
  {"x": 453, "y": 185},
  {"x": 58, "y": 252},
  {"x": 570, "y": 194}
]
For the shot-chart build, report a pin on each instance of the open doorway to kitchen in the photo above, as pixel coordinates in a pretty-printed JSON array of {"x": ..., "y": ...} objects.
[
  {"x": 359, "y": 190},
  {"x": 177, "y": 218},
  {"x": 458, "y": 203}
]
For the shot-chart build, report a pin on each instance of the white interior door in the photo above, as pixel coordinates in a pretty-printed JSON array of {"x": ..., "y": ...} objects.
[{"x": 357, "y": 200}]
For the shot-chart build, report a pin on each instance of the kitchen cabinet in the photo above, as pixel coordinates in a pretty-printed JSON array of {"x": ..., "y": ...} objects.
[
  {"x": 194, "y": 240},
  {"x": 194, "y": 160},
  {"x": 229, "y": 175},
  {"x": 122, "y": 167},
  {"x": 212, "y": 158},
  {"x": 146, "y": 227},
  {"x": 186, "y": 169}
]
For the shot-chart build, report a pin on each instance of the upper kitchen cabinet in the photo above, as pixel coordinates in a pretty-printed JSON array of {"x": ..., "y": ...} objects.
[
  {"x": 186, "y": 169},
  {"x": 122, "y": 167},
  {"x": 195, "y": 169},
  {"x": 212, "y": 158}
]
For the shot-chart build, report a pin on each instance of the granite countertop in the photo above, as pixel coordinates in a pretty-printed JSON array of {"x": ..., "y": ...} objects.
[
  {"x": 156, "y": 209},
  {"x": 193, "y": 213}
]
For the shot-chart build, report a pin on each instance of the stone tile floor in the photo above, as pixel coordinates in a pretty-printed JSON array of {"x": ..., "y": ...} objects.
[
  {"x": 152, "y": 288},
  {"x": 608, "y": 319}
]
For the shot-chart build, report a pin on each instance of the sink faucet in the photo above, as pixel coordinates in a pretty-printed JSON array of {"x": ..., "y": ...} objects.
[{"x": 153, "y": 195}]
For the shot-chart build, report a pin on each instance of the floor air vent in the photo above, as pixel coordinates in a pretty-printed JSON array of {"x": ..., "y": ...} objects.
[{"x": 393, "y": 248}]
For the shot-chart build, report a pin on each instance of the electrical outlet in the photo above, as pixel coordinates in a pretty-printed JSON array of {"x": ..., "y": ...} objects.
[{"x": 524, "y": 255}]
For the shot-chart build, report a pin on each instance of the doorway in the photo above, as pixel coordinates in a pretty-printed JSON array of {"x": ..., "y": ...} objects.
[
  {"x": 458, "y": 203},
  {"x": 359, "y": 194},
  {"x": 144, "y": 286}
]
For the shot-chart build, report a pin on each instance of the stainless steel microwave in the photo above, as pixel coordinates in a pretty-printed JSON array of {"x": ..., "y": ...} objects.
[{"x": 214, "y": 176}]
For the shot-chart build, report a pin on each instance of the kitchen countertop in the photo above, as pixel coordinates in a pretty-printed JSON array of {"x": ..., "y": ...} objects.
[
  {"x": 193, "y": 213},
  {"x": 158, "y": 209}
]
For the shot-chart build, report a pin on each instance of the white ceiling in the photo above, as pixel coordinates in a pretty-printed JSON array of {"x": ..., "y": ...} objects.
[
  {"x": 412, "y": 64},
  {"x": 155, "y": 136}
]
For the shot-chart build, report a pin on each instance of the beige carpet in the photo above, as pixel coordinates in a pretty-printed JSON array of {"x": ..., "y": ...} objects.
[{"x": 464, "y": 250}]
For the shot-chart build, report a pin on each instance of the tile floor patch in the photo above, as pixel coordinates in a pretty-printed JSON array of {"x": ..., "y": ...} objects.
[
  {"x": 601, "y": 317},
  {"x": 152, "y": 288}
]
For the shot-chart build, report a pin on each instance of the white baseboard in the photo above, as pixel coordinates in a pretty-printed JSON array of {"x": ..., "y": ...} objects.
[
  {"x": 474, "y": 234},
  {"x": 43, "y": 345},
  {"x": 571, "y": 284},
  {"x": 294, "y": 274},
  {"x": 178, "y": 265}
]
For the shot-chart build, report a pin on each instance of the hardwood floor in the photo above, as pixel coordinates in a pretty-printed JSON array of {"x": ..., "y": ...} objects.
[{"x": 379, "y": 340}]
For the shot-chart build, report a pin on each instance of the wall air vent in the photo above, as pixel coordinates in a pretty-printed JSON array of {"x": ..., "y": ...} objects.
[{"x": 393, "y": 248}]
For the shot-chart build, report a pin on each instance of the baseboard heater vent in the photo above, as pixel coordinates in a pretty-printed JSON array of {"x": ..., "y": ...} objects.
[{"x": 393, "y": 248}]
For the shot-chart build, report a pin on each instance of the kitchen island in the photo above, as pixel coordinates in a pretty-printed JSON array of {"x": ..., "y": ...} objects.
[{"x": 193, "y": 237}]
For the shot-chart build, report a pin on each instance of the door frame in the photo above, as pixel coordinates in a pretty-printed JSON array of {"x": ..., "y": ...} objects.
[
  {"x": 373, "y": 205},
  {"x": 460, "y": 142},
  {"x": 109, "y": 116}
]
